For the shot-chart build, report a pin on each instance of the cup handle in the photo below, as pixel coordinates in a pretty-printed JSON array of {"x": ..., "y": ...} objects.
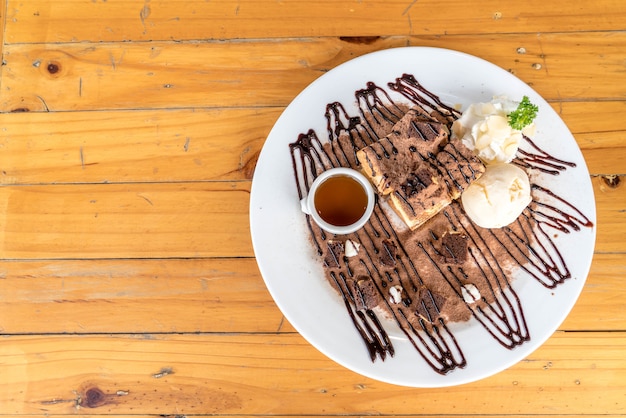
[{"x": 304, "y": 206}]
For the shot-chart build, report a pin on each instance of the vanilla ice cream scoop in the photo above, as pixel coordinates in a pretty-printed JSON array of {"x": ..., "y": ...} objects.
[
  {"x": 498, "y": 197},
  {"x": 484, "y": 128}
]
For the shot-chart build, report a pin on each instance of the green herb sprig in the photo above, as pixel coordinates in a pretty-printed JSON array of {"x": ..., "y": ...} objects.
[{"x": 523, "y": 115}]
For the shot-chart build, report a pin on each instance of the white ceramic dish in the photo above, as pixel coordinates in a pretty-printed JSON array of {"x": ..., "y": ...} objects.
[{"x": 295, "y": 277}]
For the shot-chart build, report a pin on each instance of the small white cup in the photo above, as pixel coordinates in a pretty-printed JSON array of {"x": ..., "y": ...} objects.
[{"x": 308, "y": 203}]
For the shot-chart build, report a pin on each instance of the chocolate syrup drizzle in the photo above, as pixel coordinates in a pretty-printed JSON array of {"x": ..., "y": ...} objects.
[
  {"x": 383, "y": 256},
  {"x": 540, "y": 160}
]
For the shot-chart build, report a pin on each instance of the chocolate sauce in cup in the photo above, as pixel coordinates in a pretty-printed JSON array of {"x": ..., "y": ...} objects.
[{"x": 340, "y": 200}]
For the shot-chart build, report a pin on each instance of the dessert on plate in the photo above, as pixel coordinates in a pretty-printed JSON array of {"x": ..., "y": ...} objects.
[
  {"x": 428, "y": 257},
  {"x": 418, "y": 167}
]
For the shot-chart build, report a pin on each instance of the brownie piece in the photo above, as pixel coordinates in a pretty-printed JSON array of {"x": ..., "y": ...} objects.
[
  {"x": 334, "y": 254},
  {"x": 365, "y": 293},
  {"x": 454, "y": 248}
]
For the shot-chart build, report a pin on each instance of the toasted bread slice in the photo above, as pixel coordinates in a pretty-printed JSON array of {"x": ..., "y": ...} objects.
[
  {"x": 458, "y": 167},
  {"x": 413, "y": 138},
  {"x": 419, "y": 168},
  {"x": 420, "y": 196}
]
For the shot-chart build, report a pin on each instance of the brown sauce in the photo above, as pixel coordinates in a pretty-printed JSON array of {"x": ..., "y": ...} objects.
[{"x": 340, "y": 200}]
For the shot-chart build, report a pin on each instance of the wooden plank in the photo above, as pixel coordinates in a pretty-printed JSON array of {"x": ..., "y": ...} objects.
[
  {"x": 207, "y": 144},
  {"x": 163, "y": 75},
  {"x": 611, "y": 214},
  {"x": 162, "y": 296},
  {"x": 601, "y": 303},
  {"x": 133, "y": 146},
  {"x": 59, "y": 77},
  {"x": 42, "y": 21},
  {"x": 84, "y": 415},
  {"x": 125, "y": 221},
  {"x": 204, "y": 295},
  {"x": 605, "y": 161},
  {"x": 593, "y": 119},
  {"x": 573, "y": 373},
  {"x": 3, "y": 8}
]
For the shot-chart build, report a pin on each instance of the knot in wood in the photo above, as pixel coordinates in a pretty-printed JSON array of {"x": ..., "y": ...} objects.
[
  {"x": 53, "y": 67},
  {"x": 94, "y": 397}
]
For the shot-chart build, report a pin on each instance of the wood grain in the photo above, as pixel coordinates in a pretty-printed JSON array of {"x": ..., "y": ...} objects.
[
  {"x": 166, "y": 220},
  {"x": 39, "y": 21},
  {"x": 601, "y": 303},
  {"x": 61, "y": 77},
  {"x": 133, "y": 146},
  {"x": 129, "y": 134},
  {"x": 573, "y": 373},
  {"x": 162, "y": 296},
  {"x": 611, "y": 214}
]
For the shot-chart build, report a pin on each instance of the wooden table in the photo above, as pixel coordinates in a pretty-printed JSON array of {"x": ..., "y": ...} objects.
[{"x": 129, "y": 134}]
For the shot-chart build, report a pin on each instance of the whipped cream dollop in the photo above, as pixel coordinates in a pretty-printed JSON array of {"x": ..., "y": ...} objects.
[
  {"x": 498, "y": 197},
  {"x": 484, "y": 128}
]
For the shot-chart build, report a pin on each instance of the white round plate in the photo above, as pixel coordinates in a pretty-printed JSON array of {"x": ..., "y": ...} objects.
[{"x": 295, "y": 277}]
